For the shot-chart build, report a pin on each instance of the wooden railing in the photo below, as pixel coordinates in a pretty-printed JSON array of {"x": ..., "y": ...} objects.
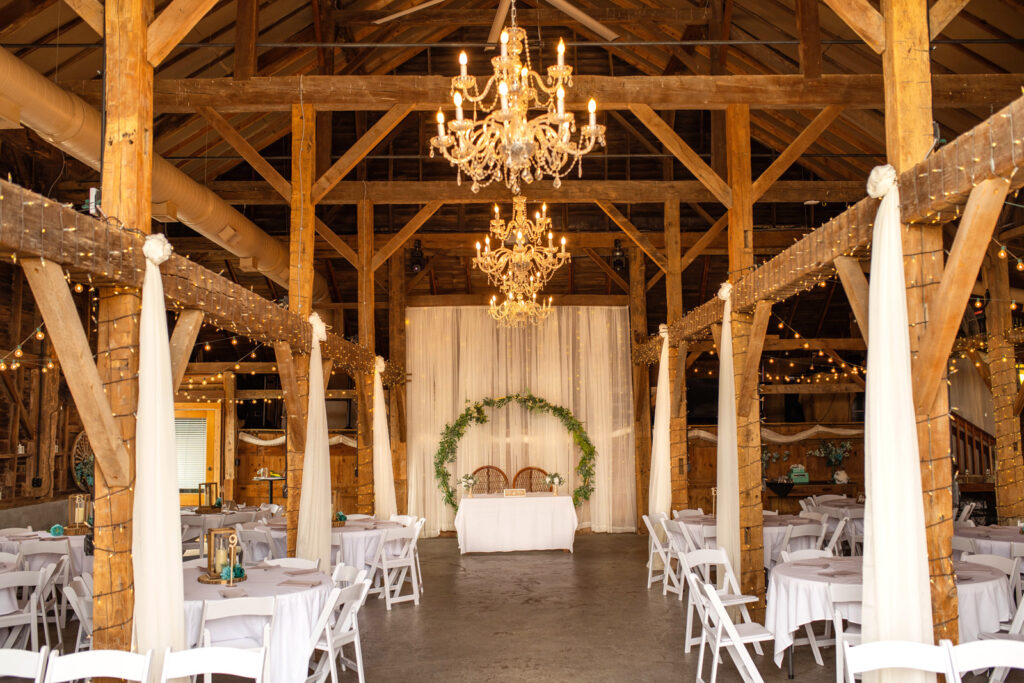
[{"x": 973, "y": 448}]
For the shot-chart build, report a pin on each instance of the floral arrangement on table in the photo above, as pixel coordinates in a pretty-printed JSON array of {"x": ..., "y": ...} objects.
[
  {"x": 226, "y": 572},
  {"x": 833, "y": 453},
  {"x": 467, "y": 481},
  {"x": 554, "y": 479},
  {"x": 474, "y": 414},
  {"x": 56, "y": 530},
  {"x": 340, "y": 517}
]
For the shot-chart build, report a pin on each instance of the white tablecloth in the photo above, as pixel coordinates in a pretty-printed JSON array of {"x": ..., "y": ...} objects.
[
  {"x": 798, "y": 595},
  {"x": 774, "y": 531},
  {"x": 992, "y": 540},
  {"x": 357, "y": 541},
  {"x": 537, "y": 521},
  {"x": 297, "y": 610},
  {"x": 79, "y": 562},
  {"x": 8, "y": 598}
]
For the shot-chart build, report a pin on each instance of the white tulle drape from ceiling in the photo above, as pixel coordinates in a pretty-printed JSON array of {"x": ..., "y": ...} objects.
[{"x": 578, "y": 358}]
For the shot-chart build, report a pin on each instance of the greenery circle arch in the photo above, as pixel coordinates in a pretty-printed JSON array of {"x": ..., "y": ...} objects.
[{"x": 474, "y": 414}]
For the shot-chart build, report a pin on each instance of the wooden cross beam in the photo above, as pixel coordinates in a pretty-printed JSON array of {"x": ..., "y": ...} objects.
[
  {"x": 634, "y": 233},
  {"x": 864, "y": 19},
  {"x": 186, "y": 331},
  {"x": 173, "y": 24},
  {"x": 947, "y": 305},
  {"x": 607, "y": 269},
  {"x": 91, "y": 12},
  {"x": 403, "y": 235},
  {"x": 18, "y": 404},
  {"x": 795, "y": 149},
  {"x": 53, "y": 297},
  {"x": 941, "y": 13}
]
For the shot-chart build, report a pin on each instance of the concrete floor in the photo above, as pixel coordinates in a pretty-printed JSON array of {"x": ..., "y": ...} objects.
[{"x": 547, "y": 616}]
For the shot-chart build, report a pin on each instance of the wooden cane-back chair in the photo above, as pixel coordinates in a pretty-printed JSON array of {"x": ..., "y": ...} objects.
[
  {"x": 531, "y": 479},
  {"x": 490, "y": 479}
]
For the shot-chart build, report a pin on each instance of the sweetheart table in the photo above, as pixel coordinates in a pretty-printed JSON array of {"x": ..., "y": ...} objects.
[{"x": 492, "y": 523}]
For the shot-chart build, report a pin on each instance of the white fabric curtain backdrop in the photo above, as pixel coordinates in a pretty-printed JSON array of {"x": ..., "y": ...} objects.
[
  {"x": 159, "y": 620},
  {"x": 384, "y": 500},
  {"x": 970, "y": 398},
  {"x": 897, "y": 601},
  {"x": 313, "y": 538},
  {"x": 659, "y": 497},
  {"x": 578, "y": 358},
  {"x": 727, "y": 507}
]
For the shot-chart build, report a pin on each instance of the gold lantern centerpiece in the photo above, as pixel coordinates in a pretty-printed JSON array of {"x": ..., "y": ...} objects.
[
  {"x": 222, "y": 561},
  {"x": 208, "y": 498},
  {"x": 338, "y": 517},
  {"x": 79, "y": 514}
]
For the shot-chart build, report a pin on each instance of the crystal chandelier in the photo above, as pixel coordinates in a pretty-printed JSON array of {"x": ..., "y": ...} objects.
[
  {"x": 506, "y": 144},
  {"x": 521, "y": 264},
  {"x": 519, "y": 312}
]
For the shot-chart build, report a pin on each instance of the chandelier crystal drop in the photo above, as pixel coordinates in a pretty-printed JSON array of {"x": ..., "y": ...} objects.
[{"x": 505, "y": 144}]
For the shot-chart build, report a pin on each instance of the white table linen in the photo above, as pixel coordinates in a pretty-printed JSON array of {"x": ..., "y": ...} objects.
[
  {"x": 494, "y": 523},
  {"x": 357, "y": 541},
  {"x": 798, "y": 595},
  {"x": 838, "y": 508},
  {"x": 297, "y": 610},
  {"x": 8, "y": 597},
  {"x": 992, "y": 540},
  {"x": 79, "y": 562},
  {"x": 774, "y": 530}
]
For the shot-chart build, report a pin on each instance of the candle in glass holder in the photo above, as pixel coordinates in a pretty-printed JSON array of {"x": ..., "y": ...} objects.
[{"x": 220, "y": 558}]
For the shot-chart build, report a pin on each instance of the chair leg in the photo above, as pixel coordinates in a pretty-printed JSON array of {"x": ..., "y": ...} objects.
[
  {"x": 814, "y": 644},
  {"x": 700, "y": 657},
  {"x": 714, "y": 662},
  {"x": 359, "y": 657},
  {"x": 415, "y": 589},
  {"x": 387, "y": 588},
  {"x": 688, "y": 634}
]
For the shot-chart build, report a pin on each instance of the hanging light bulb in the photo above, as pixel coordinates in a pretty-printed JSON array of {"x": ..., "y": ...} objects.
[
  {"x": 18, "y": 353},
  {"x": 1020, "y": 264},
  {"x": 234, "y": 341},
  {"x": 1002, "y": 252},
  {"x": 3, "y": 366},
  {"x": 78, "y": 288},
  {"x": 1013, "y": 305},
  {"x": 206, "y": 346},
  {"x": 40, "y": 335},
  {"x": 49, "y": 364}
]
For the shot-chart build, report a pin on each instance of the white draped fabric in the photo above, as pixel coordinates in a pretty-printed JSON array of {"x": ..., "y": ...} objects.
[
  {"x": 313, "y": 538},
  {"x": 728, "y": 481},
  {"x": 897, "y": 602},
  {"x": 659, "y": 497},
  {"x": 159, "y": 620},
  {"x": 578, "y": 358},
  {"x": 384, "y": 501}
]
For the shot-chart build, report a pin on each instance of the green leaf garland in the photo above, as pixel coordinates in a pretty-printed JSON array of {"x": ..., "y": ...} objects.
[{"x": 474, "y": 414}]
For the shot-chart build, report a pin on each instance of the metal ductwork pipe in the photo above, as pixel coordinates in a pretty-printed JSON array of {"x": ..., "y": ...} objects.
[{"x": 69, "y": 123}]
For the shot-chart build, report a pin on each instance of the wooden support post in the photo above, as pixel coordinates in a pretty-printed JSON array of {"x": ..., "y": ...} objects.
[
  {"x": 748, "y": 422},
  {"x": 364, "y": 382},
  {"x": 247, "y": 28},
  {"x": 294, "y": 369},
  {"x": 127, "y": 180},
  {"x": 676, "y": 371},
  {"x": 908, "y": 133},
  {"x": 1009, "y": 466},
  {"x": 183, "y": 338},
  {"x": 230, "y": 435},
  {"x": 396, "y": 354},
  {"x": 810, "y": 37},
  {"x": 641, "y": 381}
]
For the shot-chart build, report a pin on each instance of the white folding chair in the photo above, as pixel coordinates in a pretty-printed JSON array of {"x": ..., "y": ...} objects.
[
  {"x": 214, "y": 610},
  {"x": 128, "y": 666},
  {"x": 700, "y": 563},
  {"x": 393, "y": 561},
  {"x": 51, "y": 598},
  {"x": 815, "y": 532},
  {"x": 10, "y": 558},
  {"x": 1015, "y": 631},
  {"x": 896, "y": 654},
  {"x": 962, "y": 544},
  {"x": 80, "y": 600},
  {"x": 837, "y": 535},
  {"x": 418, "y": 525},
  {"x": 805, "y": 554},
  {"x": 679, "y": 514},
  {"x": 720, "y": 631},
  {"x": 24, "y": 621},
  {"x": 839, "y": 594},
  {"x": 967, "y": 511},
  {"x": 345, "y": 575},
  {"x": 1007, "y": 565},
  {"x": 678, "y": 541},
  {"x": 215, "y": 660},
  {"x": 816, "y": 516},
  {"x": 808, "y": 504},
  {"x": 192, "y": 537},
  {"x": 294, "y": 562},
  {"x": 253, "y": 542},
  {"x": 35, "y": 554},
  {"x": 23, "y": 663},
  {"x": 999, "y": 655},
  {"x": 338, "y": 626},
  {"x": 655, "y": 548},
  {"x": 853, "y": 537},
  {"x": 233, "y": 518}
]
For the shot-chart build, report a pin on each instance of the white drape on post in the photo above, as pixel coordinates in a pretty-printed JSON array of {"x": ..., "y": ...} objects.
[
  {"x": 313, "y": 540},
  {"x": 659, "y": 497},
  {"x": 897, "y": 601},
  {"x": 727, "y": 509},
  {"x": 159, "y": 620},
  {"x": 384, "y": 500}
]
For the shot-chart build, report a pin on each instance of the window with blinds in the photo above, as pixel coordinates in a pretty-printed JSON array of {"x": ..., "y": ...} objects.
[{"x": 190, "y": 443}]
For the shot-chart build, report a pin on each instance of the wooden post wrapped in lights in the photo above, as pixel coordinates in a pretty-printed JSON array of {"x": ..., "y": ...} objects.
[
  {"x": 79, "y": 514},
  {"x": 208, "y": 498},
  {"x": 222, "y": 553}
]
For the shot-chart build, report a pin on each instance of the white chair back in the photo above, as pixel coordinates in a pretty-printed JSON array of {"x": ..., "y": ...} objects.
[
  {"x": 965, "y": 514},
  {"x": 34, "y": 554},
  {"x": 985, "y": 654},
  {"x": 1008, "y": 565},
  {"x": 214, "y": 610},
  {"x": 229, "y": 661},
  {"x": 81, "y": 605},
  {"x": 345, "y": 575},
  {"x": 679, "y": 514},
  {"x": 896, "y": 654},
  {"x": 679, "y": 539},
  {"x": 128, "y": 666},
  {"x": 23, "y": 663},
  {"x": 404, "y": 520},
  {"x": 253, "y": 542},
  {"x": 720, "y": 618},
  {"x": 837, "y": 535},
  {"x": 10, "y": 558},
  {"x": 813, "y": 531},
  {"x": 701, "y": 561},
  {"x": 964, "y": 545},
  {"x": 816, "y": 516}
]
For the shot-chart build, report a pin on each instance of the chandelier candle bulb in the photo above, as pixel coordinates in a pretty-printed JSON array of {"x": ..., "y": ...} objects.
[
  {"x": 592, "y": 108},
  {"x": 440, "y": 123},
  {"x": 458, "y": 107},
  {"x": 560, "y": 94},
  {"x": 463, "y": 62},
  {"x": 561, "y": 52},
  {"x": 504, "y": 43},
  {"x": 503, "y": 91}
]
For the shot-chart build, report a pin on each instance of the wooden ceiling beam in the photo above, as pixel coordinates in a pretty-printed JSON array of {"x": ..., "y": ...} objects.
[
  {"x": 91, "y": 12},
  {"x": 810, "y": 37},
  {"x": 634, "y": 234},
  {"x": 864, "y": 19},
  {"x": 174, "y": 23},
  {"x": 403, "y": 235},
  {"x": 682, "y": 16},
  {"x": 247, "y": 152},
  {"x": 682, "y": 92},
  {"x": 795, "y": 149},
  {"x": 941, "y": 13},
  {"x": 607, "y": 269}
]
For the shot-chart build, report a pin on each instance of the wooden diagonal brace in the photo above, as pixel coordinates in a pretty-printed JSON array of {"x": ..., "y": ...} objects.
[
  {"x": 634, "y": 234},
  {"x": 607, "y": 269},
  {"x": 68, "y": 338},
  {"x": 174, "y": 23},
  {"x": 403, "y": 235},
  {"x": 946, "y": 306},
  {"x": 856, "y": 287},
  {"x": 293, "y": 403},
  {"x": 18, "y": 404},
  {"x": 183, "y": 338},
  {"x": 752, "y": 360},
  {"x": 864, "y": 19}
]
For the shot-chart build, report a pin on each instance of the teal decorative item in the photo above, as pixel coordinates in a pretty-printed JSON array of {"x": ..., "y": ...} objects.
[
  {"x": 56, "y": 530},
  {"x": 239, "y": 571},
  {"x": 340, "y": 517},
  {"x": 225, "y": 572},
  {"x": 218, "y": 503}
]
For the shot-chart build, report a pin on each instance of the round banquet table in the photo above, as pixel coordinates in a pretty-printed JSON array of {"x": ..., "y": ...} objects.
[
  {"x": 798, "y": 595},
  {"x": 838, "y": 508},
  {"x": 357, "y": 541},
  {"x": 298, "y": 607},
  {"x": 992, "y": 540},
  {"x": 774, "y": 532},
  {"x": 79, "y": 561}
]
